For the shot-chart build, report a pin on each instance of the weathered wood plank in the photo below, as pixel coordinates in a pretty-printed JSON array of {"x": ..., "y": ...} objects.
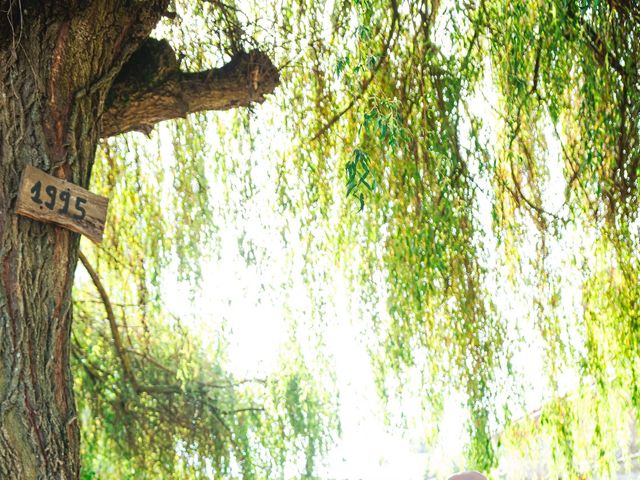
[{"x": 49, "y": 199}]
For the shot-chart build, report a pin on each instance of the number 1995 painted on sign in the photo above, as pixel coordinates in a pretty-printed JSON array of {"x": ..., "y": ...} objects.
[
  {"x": 65, "y": 196},
  {"x": 49, "y": 199}
]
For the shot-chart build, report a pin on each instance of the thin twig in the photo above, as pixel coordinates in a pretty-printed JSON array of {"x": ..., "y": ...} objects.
[
  {"x": 327, "y": 126},
  {"x": 117, "y": 339}
]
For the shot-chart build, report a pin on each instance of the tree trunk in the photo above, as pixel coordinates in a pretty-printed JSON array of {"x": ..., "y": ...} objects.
[
  {"x": 64, "y": 83},
  {"x": 56, "y": 66}
]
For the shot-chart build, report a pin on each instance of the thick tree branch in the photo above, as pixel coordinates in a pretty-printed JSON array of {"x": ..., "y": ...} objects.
[{"x": 152, "y": 88}]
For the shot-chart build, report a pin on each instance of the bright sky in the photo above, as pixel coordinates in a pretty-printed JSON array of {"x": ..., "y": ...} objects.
[
  {"x": 253, "y": 308},
  {"x": 255, "y": 313},
  {"x": 249, "y": 304},
  {"x": 258, "y": 327},
  {"x": 257, "y": 330}
]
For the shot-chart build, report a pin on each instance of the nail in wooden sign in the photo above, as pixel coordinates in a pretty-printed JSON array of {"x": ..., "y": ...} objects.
[{"x": 50, "y": 199}]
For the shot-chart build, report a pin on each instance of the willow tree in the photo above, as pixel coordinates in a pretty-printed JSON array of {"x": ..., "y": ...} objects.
[{"x": 393, "y": 169}]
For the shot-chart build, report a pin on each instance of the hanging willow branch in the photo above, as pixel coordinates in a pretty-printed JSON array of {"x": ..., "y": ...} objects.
[
  {"x": 383, "y": 57},
  {"x": 117, "y": 340},
  {"x": 125, "y": 360}
]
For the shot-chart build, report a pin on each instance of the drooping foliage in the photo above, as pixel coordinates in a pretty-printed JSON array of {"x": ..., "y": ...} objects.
[
  {"x": 155, "y": 398},
  {"x": 470, "y": 167}
]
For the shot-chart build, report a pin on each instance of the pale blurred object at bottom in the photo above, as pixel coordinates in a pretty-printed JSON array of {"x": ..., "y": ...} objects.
[{"x": 468, "y": 476}]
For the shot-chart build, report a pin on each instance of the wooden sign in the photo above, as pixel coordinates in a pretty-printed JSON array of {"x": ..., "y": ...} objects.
[{"x": 50, "y": 199}]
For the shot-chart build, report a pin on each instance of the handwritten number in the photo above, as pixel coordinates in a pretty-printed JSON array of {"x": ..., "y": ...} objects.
[
  {"x": 83, "y": 212},
  {"x": 36, "y": 192},
  {"x": 65, "y": 197},
  {"x": 52, "y": 192}
]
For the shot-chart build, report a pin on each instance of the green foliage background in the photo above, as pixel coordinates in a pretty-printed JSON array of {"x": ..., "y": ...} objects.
[{"x": 471, "y": 167}]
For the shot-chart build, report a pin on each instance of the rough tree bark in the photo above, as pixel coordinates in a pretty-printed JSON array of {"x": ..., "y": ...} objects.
[
  {"x": 61, "y": 80},
  {"x": 151, "y": 88}
]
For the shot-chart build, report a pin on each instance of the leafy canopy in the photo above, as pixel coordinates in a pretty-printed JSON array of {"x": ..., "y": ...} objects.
[{"x": 470, "y": 167}]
